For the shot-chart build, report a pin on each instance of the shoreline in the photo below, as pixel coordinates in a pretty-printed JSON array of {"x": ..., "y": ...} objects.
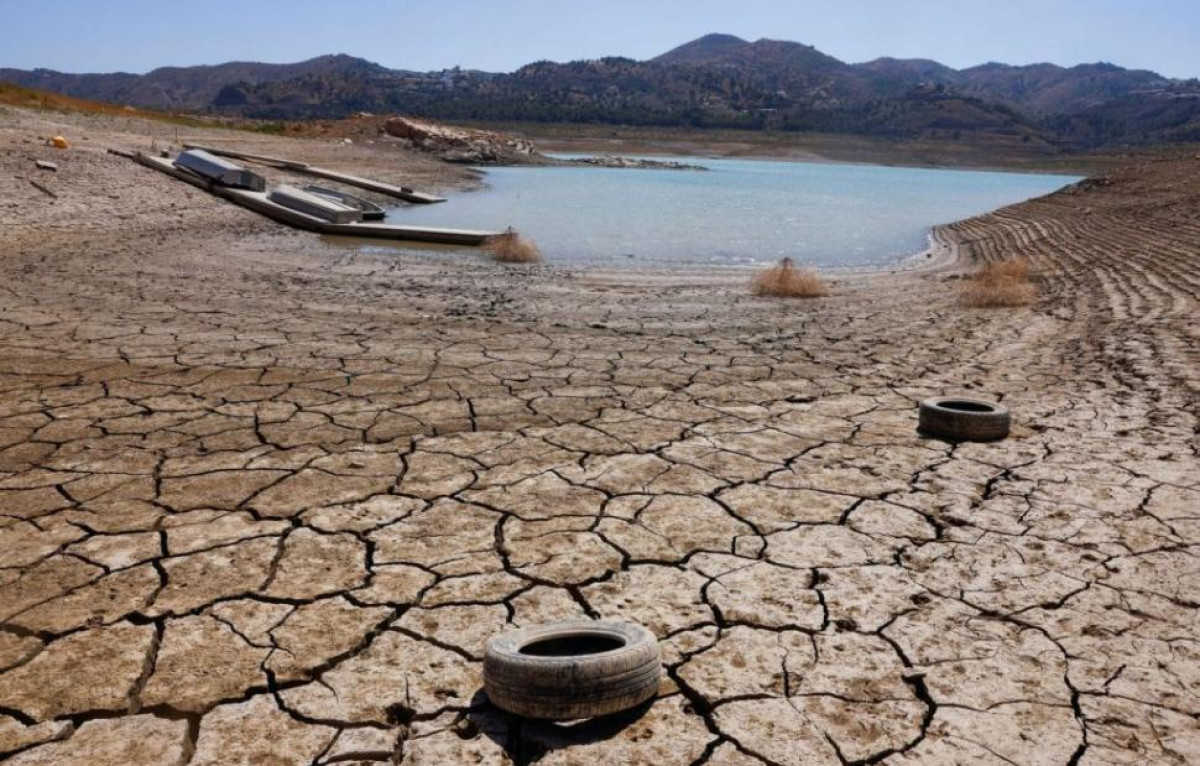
[
  {"x": 701, "y": 154},
  {"x": 802, "y": 147},
  {"x": 939, "y": 255}
]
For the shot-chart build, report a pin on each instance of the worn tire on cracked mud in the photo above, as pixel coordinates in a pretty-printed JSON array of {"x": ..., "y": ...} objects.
[
  {"x": 956, "y": 419},
  {"x": 571, "y": 670}
]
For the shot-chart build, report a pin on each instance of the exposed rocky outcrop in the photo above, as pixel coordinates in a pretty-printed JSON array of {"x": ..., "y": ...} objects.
[
  {"x": 471, "y": 146},
  {"x": 609, "y": 161},
  {"x": 464, "y": 145}
]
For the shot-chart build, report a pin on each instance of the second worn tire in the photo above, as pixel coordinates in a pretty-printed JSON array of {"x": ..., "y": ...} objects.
[
  {"x": 956, "y": 419},
  {"x": 571, "y": 670}
]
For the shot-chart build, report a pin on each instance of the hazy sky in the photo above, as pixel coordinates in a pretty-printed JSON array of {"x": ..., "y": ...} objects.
[{"x": 499, "y": 35}]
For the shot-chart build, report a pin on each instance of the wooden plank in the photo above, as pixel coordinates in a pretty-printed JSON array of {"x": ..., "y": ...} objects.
[
  {"x": 412, "y": 233},
  {"x": 256, "y": 201},
  {"x": 399, "y": 192},
  {"x": 259, "y": 202},
  {"x": 259, "y": 158},
  {"x": 43, "y": 189}
]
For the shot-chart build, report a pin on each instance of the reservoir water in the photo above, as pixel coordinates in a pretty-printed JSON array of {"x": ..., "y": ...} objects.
[{"x": 739, "y": 212}]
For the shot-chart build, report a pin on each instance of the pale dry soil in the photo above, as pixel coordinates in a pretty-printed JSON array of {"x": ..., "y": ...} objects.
[{"x": 264, "y": 498}]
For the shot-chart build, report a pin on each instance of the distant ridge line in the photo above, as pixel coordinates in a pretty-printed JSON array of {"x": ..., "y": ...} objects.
[{"x": 715, "y": 81}]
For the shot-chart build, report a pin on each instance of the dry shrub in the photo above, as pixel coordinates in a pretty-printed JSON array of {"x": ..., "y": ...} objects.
[
  {"x": 999, "y": 284},
  {"x": 1011, "y": 268},
  {"x": 511, "y": 247},
  {"x": 785, "y": 280}
]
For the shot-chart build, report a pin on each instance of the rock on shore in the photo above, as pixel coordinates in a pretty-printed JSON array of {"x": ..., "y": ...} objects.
[
  {"x": 464, "y": 145},
  {"x": 609, "y": 161},
  {"x": 471, "y": 146}
]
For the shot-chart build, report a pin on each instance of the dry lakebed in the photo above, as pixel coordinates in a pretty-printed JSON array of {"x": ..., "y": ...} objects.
[{"x": 264, "y": 497}]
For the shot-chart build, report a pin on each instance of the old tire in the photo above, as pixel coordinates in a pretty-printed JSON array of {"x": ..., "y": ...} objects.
[
  {"x": 955, "y": 419},
  {"x": 571, "y": 670}
]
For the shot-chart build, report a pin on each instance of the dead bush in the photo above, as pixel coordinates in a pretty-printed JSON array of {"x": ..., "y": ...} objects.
[
  {"x": 1000, "y": 284},
  {"x": 1013, "y": 268},
  {"x": 785, "y": 280},
  {"x": 511, "y": 247}
]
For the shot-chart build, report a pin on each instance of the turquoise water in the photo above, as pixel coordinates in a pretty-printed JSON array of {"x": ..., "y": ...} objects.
[{"x": 740, "y": 212}]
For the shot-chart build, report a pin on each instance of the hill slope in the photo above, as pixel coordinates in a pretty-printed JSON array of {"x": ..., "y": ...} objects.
[
  {"x": 184, "y": 88},
  {"x": 715, "y": 81}
]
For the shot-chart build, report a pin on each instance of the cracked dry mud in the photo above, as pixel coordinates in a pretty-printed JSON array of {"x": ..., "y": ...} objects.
[{"x": 264, "y": 498}]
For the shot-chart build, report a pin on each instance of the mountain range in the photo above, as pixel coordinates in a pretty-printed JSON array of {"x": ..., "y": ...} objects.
[{"x": 717, "y": 81}]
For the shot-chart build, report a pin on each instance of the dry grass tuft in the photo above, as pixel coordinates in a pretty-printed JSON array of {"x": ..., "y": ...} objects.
[
  {"x": 785, "y": 280},
  {"x": 1000, "y": 284},
  {"x": 511, "y": 247}
]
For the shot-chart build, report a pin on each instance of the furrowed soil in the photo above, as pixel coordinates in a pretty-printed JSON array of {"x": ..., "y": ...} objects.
[{"x": 264, "y": 497}]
